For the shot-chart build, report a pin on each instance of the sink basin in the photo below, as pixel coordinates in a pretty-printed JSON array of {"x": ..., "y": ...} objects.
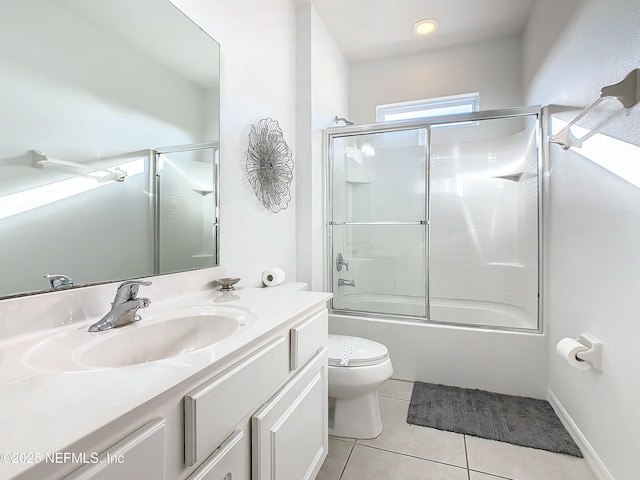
[
  {"x": 146, "y": 342},
  {"x": 165, "y": 334}
]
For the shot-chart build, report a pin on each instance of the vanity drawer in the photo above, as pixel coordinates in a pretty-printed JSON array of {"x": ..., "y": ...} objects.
[
  {"x": 140, "y": 455},
  {"x": 308, "y": 337},
  {"x": 216, "y": 407},
  {"x": 230, "y": 461}
]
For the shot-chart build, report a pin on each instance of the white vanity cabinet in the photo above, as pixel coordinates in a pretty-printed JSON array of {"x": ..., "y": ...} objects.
[
  {"x": 289, "y": 432},
  {"x": 259, "y": 413}
]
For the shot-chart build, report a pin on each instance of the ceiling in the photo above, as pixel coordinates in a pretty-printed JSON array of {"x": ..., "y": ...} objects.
[{"x": 370, "y": 29}]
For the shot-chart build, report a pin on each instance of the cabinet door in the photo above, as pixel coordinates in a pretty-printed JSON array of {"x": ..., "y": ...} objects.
[
  {"x": 289, "y": 434},
  {"x": 139, "y": 455}
]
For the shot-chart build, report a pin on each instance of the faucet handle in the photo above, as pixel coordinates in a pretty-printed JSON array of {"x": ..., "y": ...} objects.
[
  {"x": 129, "y": 290},
  {"x": 341, "y": 262}
]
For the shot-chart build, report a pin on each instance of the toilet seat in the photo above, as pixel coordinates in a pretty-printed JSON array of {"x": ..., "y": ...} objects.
[{"x": 347, "y": 351}]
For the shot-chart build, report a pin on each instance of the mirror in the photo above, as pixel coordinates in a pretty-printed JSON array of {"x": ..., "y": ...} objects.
[{"x": 109, "y": 150}]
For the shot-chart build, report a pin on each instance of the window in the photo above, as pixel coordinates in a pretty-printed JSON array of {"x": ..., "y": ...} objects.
[{"x": 430, "y": 107}]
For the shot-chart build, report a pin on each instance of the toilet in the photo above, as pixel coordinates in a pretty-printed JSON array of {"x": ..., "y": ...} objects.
[{"x": 357, "y": 367}]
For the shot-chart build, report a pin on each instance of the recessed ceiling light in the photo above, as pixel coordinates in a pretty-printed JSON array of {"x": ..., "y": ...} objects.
[{"x": 425, "y": 26}]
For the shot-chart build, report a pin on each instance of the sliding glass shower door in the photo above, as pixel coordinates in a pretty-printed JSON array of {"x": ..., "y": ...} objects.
[
  {"x": 379, "y": 231},
  {"x": 438, "y": 220},
  {"x": 483, "y": 267}
]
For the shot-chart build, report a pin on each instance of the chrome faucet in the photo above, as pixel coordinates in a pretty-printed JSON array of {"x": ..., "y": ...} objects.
[
  {"x": 59, "y": 282},
  {"x": 343, "y": 282},
  {"x": 124, "y": 307}
]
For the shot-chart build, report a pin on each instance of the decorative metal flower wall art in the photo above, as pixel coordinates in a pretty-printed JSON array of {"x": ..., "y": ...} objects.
[{"x": 269, "y": 165}]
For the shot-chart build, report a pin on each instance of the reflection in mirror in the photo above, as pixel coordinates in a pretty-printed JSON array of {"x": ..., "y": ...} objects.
[
  {"x": 186, "y": 182},
  {"x": 109, "y": 151}
]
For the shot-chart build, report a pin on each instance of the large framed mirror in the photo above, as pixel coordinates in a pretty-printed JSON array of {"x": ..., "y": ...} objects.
[{"x": 109, "y": 145}]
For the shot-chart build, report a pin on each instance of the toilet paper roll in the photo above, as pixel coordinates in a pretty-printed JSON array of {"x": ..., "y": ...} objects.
[
  {"x": 273, "y": 276},
  {"x": 568, "y": 348}
]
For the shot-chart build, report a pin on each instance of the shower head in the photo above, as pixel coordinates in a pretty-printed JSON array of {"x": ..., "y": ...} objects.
[{"x": 341, "y": 119}]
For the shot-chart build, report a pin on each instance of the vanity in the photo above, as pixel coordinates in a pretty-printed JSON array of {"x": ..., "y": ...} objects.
[{"x": 251, "y": 404}]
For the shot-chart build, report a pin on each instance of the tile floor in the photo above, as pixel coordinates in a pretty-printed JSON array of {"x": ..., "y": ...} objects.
[{"x": 411, "y": 452}]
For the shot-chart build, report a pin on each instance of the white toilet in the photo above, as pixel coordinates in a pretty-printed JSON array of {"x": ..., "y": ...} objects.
[{"x": 357, "y": 367}]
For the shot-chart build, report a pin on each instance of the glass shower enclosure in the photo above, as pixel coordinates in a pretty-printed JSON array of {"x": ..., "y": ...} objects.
[
  {"x": 438, "y": 220},
  {"x": 186, "y": 207}
]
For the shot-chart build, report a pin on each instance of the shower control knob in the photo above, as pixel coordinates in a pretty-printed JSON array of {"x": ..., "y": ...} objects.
[{"x": 341, "y": 262}]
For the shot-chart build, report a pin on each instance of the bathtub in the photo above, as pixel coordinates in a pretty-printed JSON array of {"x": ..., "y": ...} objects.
[
  {"x": 461, "y": 312},
  {"x": 511, "y": 362}
]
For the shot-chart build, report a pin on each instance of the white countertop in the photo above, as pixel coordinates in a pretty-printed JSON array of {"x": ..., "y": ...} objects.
[{"x": 46, "y": 411}]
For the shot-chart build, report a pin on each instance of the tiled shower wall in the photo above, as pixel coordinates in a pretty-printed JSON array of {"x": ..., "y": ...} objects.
[{"x": 484, "y": 230}]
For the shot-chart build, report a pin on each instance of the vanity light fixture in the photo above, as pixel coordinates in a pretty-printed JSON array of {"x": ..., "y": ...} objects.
[{"x": 425, "y": 26}]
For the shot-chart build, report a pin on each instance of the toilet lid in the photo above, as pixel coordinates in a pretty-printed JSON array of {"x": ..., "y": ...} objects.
[{"x": 345, "y": 351}]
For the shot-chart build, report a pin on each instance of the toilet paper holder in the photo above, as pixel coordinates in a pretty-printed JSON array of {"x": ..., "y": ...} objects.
[{"x": 594, "y": 354}]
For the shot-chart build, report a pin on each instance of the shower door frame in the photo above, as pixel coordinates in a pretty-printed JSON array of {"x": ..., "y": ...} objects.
[
  {"x": 354, "y": 130},
  {"x": 155, "y": 208}
]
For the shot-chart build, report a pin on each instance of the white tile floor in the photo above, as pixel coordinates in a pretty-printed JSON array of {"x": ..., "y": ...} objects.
[{"x": 411, "y": 452}]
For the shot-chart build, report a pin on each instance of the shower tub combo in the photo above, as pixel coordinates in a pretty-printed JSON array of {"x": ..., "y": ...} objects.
[{"x": 434, "y": 231}]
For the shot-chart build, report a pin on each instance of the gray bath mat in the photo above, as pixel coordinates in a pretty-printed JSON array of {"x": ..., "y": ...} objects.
[{"x": 518, "y": 420}]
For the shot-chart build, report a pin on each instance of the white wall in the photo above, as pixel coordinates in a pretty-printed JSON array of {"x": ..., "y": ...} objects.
[
  {"x": 491, "y": 68},
  {"x": 592, "y": 280},
  {"x": 322, "y": 93},
  {"x": 257, "y": 62}
]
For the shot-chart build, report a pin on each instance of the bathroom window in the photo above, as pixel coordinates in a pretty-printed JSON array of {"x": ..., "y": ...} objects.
[{"x": 430, "y": 107}]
